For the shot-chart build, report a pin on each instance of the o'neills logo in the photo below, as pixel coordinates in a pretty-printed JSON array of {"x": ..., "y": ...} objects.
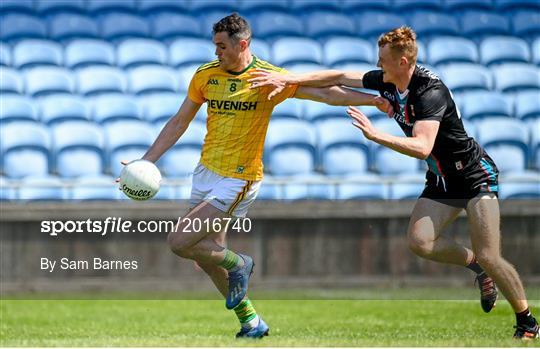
[
  {"x": 232, "y": 105},
  {"x": 141, "y": 193}
]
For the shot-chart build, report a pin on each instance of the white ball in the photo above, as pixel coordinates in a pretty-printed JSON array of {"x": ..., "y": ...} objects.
[{"x": 140, "y": 180}]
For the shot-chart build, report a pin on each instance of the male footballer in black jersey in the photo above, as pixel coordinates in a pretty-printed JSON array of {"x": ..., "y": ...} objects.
[{"x": 461, "y": 174}]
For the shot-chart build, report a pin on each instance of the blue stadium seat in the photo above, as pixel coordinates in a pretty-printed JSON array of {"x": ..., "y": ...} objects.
[
  {"x": 23, "y": 143},
  {"x": 417, "y": 5},
  {"x": 430, "y": 24},
  {"x": 208, "y": 19},
  {"x": 509, "y": 149},
  {"x": 358, "y": 67},
  {"x": 371, "y": 24},
  {"x": 343, "y": 150},
  {"x": 135, "y": 52},
  {"x": 6, "y": 191},
  {"x": 260, "y": 49},
  {"x": 186, "y": 72},
  {"x": 85, "y": 52},
  {"x": 257, "y": 6},
  {"x": 315, "y": 112},
  {"x": 114, "y": 107},
  {"x": 150, "y": 79},
  {"x": 10, "y": 81},
  {"x": 17, "y": 108},
  {"x": 289, "y": 108},
  {"x": 57, "y": 109},
  {"x": 515, "y": 77},
  {"x": 480, "y": 104},
  {"x": 214, "y": 5},
  {"x": 445, "y": 50},
  {"x": 100, "y": 7},
  {"x": 526, "y": 24},
  {"x": 63, "y": 27},
  {"x": 47, "y": 7},
  {"x": 120, "y": 26},
  {"x": 520, "y": 185},
  {"x": 459, "y": 6},
  {"x": 479, "y": 24},
  {"x": 302, "y": 6},
  {"x": 170, "y": 26},
  {"x": 160, "y": 107},
  {"x": 17, "y": 6},
  {"x": 536, "y": 51},
  {"x": 501, "y": 49},
  {"x": 407, "y": 187},
  {"x": 127, "y": 140},
  {"x": 470, "y": 128},
  {"x": 535, "y": 143},
  {"x": 362, "y": 187},
  {"x": 389, "y": 162},
  {"x": 21, "y": 26},
  {"x": 353, "y": 6},
  {"x": 95, "y": 187},
  {"x": 79, "y": 148},
  {"x": 312, "y": 186},
  {"x": 463, "y": 77},
  {"x": 272, "y": 25},
  {"x": 527, "y": 105},
  {"x": 189, "y": 51},
  {"x": 290, "y": 147},
  {"x": 348, "y": 50},
  {"x": 306, "y": 51},
  {"x": 42, "y": 188},
  {"x": 183, "y": 157},
  {"x": 321, "y": 25},
  {"x": 300, "y": 68},
  {"x": 32, "y": 53},
  {"x": 269, "y": 190},
  {"x": 95, "y": 80},
  {"x": 519, "y": 5},
  {"x": 5, "y": 54},
  {"x": 146, "y": 7},
  {"x": 43, "y": 81}
]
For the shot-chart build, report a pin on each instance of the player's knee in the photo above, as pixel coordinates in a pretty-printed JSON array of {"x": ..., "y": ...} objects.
[
  {"x": 178, "y": 246},
  {"x": 419, "y": 243},
  {"x": 487, "y": 260}
]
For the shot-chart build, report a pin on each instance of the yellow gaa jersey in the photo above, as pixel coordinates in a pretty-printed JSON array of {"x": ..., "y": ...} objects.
[{"x": 237, "y": 120}]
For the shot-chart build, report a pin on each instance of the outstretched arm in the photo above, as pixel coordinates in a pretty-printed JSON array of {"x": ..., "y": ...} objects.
[
  {"x": 172, "y": 130},
  {"x": 419, "y": 145},
  {"x": 337, "y": 95},
  {"x": 323, "y": 78}
]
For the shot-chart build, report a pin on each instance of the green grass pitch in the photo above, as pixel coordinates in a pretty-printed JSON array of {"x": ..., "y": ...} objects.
[{"x": 312, "y": 323}]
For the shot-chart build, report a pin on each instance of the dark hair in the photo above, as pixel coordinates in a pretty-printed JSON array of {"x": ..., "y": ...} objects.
[{"x": 236, "y": 26}]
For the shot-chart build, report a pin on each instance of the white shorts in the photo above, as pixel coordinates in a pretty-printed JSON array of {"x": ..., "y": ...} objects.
[{"x": 231, "y": 195}]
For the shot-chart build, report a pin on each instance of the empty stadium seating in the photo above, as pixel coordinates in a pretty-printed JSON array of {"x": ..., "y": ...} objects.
[{"x": 87, "y": 83}]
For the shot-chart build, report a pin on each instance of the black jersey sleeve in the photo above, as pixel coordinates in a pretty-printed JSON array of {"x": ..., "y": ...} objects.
[
  {"x": 373, "y": 80},
  {"x": 432, "y": 104}
]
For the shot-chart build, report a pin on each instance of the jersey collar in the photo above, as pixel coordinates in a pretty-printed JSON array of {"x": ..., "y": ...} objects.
[{"x": 246, "y": 68}]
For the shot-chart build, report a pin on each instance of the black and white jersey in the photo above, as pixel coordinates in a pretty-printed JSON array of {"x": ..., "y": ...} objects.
[{"x": 427, "y": 98}]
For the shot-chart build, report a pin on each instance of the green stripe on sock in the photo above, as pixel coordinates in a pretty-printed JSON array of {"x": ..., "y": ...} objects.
[
  {"x": 245, "y": 311},
  {"x": 230, "y": 261}
]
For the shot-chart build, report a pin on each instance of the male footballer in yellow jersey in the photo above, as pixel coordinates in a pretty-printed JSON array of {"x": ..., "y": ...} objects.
[{"x": 226, "y": 181}]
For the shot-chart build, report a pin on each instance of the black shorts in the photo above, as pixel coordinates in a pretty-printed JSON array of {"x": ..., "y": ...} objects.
[{"x": 456, "y": 191}]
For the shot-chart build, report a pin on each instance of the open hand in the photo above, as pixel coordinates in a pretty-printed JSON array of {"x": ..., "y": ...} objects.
[
  {"x": 260, "y": 78},
  {"x": 362, "y": 122}
]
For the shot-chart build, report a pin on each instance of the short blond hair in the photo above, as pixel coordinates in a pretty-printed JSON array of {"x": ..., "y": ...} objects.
[{"x": 402, "y": 40}]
